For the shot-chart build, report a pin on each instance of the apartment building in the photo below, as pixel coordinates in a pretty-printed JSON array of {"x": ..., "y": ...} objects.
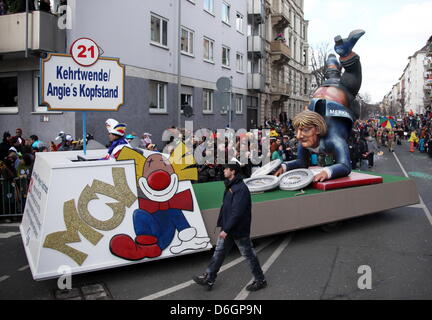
[
  {"x": 24, "y": 39},
  {"x": 284, "y": 56},
  {"x": 414, "y": 87},
  {"x": 144, "y": 35},
  {"x": 261, "y": 45},
  {"x": 427, "y": 87}
]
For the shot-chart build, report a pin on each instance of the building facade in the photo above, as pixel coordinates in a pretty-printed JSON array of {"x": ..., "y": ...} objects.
[
  {"x": 414, "y": 87},
  {"x": 427, "y": 88},
  {"x": 20, "y": 54},
  {"x": 219, "y": 38},
  {"x": 287, "y": 72},
  {"x": 145, "y": 38}
]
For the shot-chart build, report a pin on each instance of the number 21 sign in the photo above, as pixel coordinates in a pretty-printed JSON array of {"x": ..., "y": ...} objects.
[{"x": 85, "y": 52}]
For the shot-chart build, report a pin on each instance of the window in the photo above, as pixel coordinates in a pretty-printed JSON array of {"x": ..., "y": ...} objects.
[
  {"x": 226, "y": 12},
  {"x": 240, "y": 64},
  {"x": 159, "y": 30},
  {"x": 208, "y": 50},
  {"x": 207, "y": 101},
  {"x": 239, "y": 104},
  {"x": 209, "y": 6},
  {"x": 186, "y": 97},
  {"x": 187, "y": 41},
  {"x": 252, "y": 102},
  {"x": 305, "y": 57},
  {"x": 158, "y": 97},
  {"x": 239, "y": 22},
  {"x": 8, "y": 93},
  {"x": 254, "y": 66},
  {"x": 226, "y": 56}
]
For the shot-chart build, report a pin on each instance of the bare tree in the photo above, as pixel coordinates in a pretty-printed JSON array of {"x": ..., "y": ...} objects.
[
  {"x": 319, "y": 54},
  {"x": 366, "y": 108}
]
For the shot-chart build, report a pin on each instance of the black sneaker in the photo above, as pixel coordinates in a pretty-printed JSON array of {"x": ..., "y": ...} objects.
[
  {"x": 203, "y": 280},
  {"x": 257, "y": 285}
]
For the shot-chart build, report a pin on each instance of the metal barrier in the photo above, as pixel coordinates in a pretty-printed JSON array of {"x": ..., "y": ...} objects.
[{"x": 13, "y": 195}]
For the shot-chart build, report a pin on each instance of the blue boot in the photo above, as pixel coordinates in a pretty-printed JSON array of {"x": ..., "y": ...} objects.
[{"x": 343, "y": 47}]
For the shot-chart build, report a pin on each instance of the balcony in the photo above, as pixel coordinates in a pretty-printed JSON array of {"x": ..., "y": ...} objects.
[
  {"x": 428, "y": 65},
  {"x": 281, "y": 15},
  {"x": 280, "y": 51},
  {"x": 280, "y": 91},
  {"x": 256, "y": 45},
  {"x": 255, "y": 82},
  {"x": 43, "y": 33},
  {"x": 427, "y": 88},
  {"x": 256, "y": 12}
]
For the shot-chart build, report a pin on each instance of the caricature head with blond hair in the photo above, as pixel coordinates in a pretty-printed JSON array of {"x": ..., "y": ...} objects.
[{"x": 309, "y": 127}]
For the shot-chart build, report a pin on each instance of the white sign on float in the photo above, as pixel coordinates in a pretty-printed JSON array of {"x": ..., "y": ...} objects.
[
  {"x": 74, "y": 224},
  {"x": 69, "y": 86}
]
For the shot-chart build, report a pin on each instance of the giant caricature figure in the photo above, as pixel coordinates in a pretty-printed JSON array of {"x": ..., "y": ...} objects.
[
  {"x": 326, "y": 126},
  {"x": 160, "y": 213}
]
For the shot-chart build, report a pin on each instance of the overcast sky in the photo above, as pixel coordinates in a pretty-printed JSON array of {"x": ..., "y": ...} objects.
[{"x": 395, "y": 30}]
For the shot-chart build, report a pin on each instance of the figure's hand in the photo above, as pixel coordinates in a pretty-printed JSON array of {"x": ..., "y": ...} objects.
[
  {"x": 223, "y": 235},
  {"x": 279, "y": 172},
  {"x": 321, "y": 177}
]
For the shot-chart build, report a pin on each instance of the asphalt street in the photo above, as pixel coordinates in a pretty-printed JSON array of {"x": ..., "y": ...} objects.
[{"x": 307, "y": 264}]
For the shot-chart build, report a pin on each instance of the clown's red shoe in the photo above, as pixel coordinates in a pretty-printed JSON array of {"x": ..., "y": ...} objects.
[{"x": 123, "y": 246}]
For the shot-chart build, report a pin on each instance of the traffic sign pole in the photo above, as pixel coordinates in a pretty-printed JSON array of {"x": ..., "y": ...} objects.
[{"x": 84, "y": 115}]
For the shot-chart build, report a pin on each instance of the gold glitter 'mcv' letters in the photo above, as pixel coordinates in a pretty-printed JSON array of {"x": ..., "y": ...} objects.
[
  {"x": 83, "y": 222},
  {"x": 74, "y": 224},
  {"x": 119, "y": 191}
]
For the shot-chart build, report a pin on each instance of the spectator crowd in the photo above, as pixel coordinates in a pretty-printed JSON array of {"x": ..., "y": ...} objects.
[{"x": 368, "y": 139}]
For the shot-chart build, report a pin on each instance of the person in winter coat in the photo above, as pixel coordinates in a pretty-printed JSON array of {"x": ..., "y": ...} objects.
[
  {"x": 116, "y": 133},
  {"x": 372, "y": 147},
  {"x": 355, "y": 152},
  {"x": 235, "y": 223}
]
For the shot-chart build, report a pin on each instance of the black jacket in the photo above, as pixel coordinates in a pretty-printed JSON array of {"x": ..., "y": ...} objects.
[{"x": 235, "y": 214}]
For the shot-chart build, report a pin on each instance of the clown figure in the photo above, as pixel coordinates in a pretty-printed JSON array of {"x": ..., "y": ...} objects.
[{"x": 160, "y": 213}]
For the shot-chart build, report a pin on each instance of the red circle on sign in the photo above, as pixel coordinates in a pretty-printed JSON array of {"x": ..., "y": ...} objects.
[{"x": 85, "y": 52}]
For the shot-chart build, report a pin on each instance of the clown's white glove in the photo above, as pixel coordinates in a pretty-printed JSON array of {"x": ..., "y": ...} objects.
[{"x": 189, "y": 241}]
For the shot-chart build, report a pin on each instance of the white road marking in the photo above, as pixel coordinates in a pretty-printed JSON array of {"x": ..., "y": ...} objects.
[
  {"x": 417, "y": 206},
  {"x": 244, "y": 293},
  {"x": 24, "y": 268},
  {"x": 10, "y": 225},
  {"x": 188, "y": 283},
  {"x": 424, "y": 207},
  {"x": 3, "y": 278},
  {"x": 7, "y": 235}
]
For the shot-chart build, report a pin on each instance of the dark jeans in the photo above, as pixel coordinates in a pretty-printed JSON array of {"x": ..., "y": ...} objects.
[
  {"x": 223, "y": 247},
  {"x": 351, "y": 79},
  {"x": 371, "y": 159}
]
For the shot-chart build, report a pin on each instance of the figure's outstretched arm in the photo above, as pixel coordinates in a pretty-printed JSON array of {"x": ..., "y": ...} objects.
[
  {"x": 342, "y": 168},
  {"x": 302, "y": 161}
]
